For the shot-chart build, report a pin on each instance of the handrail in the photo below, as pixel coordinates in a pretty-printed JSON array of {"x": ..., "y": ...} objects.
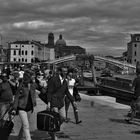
[{"x": 115, "y": 62}]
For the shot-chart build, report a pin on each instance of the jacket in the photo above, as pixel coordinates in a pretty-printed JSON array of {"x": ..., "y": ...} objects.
[
  {"x": 57, "y": 91},
  {"x": 6, "y": 94},
  {"x": 21, "y": 97}
]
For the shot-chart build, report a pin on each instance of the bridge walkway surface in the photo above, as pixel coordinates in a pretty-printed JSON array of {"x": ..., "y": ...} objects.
[{"x": 102, "y": 119}]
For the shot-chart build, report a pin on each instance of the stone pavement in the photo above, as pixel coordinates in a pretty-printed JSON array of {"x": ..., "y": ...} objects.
[{"x": 102, "y": 119}]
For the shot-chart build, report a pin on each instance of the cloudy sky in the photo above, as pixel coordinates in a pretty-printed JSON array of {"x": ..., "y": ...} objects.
[{"x": 100, "y": 26}]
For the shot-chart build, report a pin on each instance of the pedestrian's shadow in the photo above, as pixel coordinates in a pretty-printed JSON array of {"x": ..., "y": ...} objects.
[
  {"x": 125, "y": 121},
  {"x": 36, "y": 135},
  {"x": 40, "y": 135},
  {"x": 43, "y": 135},
  {"x": 119, "y": 120},
  {"x": 62, "y": 135},
  {"x": 135, "y": 132}
]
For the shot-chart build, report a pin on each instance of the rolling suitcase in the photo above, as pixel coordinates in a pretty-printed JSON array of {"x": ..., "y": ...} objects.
[{"x": 48, "y": 121}]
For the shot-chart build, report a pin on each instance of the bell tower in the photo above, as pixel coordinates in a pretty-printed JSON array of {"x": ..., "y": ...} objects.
[{"x": 50, "y": 39}]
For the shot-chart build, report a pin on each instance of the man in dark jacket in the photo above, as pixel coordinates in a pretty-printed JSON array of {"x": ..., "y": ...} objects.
[{"x": 57, "y": 90}]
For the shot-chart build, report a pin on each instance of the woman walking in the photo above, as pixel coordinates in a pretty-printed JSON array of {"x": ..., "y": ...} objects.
[{"x": 25, "y": 102}]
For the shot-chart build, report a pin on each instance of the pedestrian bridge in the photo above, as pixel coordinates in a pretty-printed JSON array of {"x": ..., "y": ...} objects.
[
  {"x": 108, "y": 60},
  {"x": 115, "y": 62},
  {"x": 62, "y": 59}
]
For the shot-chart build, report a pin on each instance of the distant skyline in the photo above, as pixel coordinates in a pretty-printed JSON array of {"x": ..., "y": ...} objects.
[{"x": 100, "y": 26}]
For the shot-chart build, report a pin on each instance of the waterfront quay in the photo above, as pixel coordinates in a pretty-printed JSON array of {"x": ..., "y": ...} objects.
[{"x": 102, "y": 119}]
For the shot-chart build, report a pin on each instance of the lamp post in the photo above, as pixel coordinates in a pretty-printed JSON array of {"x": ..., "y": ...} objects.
[{"x": 1, "y": 48}]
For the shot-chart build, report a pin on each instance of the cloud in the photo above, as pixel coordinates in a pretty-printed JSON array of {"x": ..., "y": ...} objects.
[
  {"x": 97, "y": 25},
  {"x": 33, "y": 24}
]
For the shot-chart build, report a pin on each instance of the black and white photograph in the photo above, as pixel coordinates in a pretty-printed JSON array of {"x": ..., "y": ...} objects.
[{"x": 69, "y": 69}]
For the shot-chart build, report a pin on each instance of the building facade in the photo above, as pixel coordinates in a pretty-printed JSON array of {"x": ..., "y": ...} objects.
[
  {"x": 35, "y": 51},
  {"x": 62, "y": 49},
  {"x": 133, "y": 49},
  {"x": 29, "y": 51}
]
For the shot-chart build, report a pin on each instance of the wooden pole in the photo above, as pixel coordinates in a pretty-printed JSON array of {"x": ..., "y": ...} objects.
[{"x": 93, "y": 74}]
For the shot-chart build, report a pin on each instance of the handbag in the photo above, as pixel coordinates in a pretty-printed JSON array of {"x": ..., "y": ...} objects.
[
  {"x": 76, "y": 94},
  {"x": 6, "y": 126},
  {"x": 48, "y": 121}
]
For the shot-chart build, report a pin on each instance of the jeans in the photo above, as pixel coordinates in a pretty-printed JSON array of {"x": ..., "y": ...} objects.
[
  {"x": 24, "y": 133},
  {"x": 61, "y": 112},
  {"x": 3, "y": 108}
]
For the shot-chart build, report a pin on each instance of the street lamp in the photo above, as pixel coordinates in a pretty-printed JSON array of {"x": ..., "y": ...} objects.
[{"x": 1, "y": 48}]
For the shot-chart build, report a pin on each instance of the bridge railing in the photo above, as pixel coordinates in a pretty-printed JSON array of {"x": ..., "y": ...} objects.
[
  {"x": 73, "y": 57},
  {"x": 62, "y": 59},
  {"x": 115, "y": 62}
]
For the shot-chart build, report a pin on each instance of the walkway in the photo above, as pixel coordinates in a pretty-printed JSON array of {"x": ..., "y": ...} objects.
[{"x": 103, "y": 119}]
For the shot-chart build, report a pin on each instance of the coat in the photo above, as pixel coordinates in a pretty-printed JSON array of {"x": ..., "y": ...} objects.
[
  {"x": 6, "y": 95},
  {"x": 57, "y": 91},
  {"x": 21, "y": 96}
]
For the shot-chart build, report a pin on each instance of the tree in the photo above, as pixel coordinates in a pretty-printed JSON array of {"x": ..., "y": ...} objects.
[{"x": 81, "y": 62}]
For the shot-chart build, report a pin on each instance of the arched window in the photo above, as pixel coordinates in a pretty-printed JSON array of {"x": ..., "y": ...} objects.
[
  {"x": 32, "y": 60},
  {"x": 14, "y": 52},
  {"x": 26, "y": 52},
  {"x": 32, "y": 52},
  {"x": 22, "y": 52}
]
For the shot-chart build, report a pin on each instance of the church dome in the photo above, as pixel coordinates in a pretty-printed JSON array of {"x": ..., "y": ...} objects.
[{"x": 60, "y": 41}]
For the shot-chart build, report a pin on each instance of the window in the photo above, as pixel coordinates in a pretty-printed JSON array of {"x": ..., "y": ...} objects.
[
  {"x": 22, "y": 45},
  {"x": 137, "y": 39},
  {"x": 135, "y": 60},
  {"x": 22, "y": 59},
  {"x": 22, "y": 52},
  {"x": 19, "y": 60},
  {"x": 135, "y": 45},
  {"x": 135, "y": 53},
  {"x": 32, "y": 46},
  {"x": 19, "y": 53},
  {"x": 32, "y": 52},
  {"x": 32, "y": 60},
  {"x": 16, "y": 46},
  {"x": 14, "y": 59},
  {"x": 25, "y": 60},
  {"x": 26, "y": 52},
  {"x": 14, "y": 52}
]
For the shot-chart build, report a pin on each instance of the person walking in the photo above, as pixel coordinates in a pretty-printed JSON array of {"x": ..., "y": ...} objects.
[
  {"x": 24, "y": 103},
  {"x": 57, "y": 90},
  {"x": 73, "y": 91}
]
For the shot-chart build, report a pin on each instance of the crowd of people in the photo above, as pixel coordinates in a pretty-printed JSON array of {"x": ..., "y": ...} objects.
[{"x": 18, "y": 88}]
